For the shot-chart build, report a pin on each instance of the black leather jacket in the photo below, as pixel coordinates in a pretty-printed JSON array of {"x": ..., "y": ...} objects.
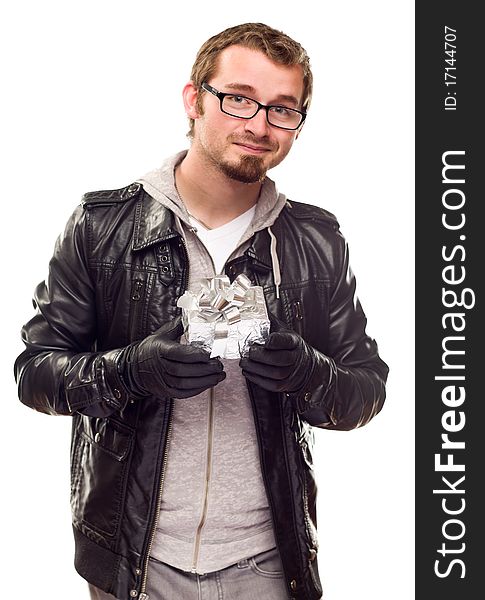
[{"x": 115, "y": 277}]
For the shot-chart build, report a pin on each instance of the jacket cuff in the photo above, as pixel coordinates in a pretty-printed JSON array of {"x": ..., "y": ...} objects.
[
  {"x": 317, "y": 390},
  {"x": 98, "y": 385}
]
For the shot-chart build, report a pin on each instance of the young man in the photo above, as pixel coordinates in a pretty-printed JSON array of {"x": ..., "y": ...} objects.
[{"x": 191, "y": 475}]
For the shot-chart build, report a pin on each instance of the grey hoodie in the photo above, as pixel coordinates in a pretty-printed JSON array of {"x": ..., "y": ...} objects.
[{"x": 214, "y": 508}]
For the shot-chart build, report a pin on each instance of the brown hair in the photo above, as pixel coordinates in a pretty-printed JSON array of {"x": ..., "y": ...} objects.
[{"x": 275, "y": 44}]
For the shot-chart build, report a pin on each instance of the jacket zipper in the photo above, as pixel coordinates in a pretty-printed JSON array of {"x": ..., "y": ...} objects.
[
  {"x": 263, "y": 472},
  {"x": 207, "y": 481},
  {"x": 308, "y": 522},
  {"x": 311, "y": 537},
  {"x": 143, "y": 595},
  {"x": 203, "y": 517}
]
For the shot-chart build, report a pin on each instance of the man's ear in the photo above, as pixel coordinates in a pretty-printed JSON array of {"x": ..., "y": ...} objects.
[{"x": 189, "y": 95}]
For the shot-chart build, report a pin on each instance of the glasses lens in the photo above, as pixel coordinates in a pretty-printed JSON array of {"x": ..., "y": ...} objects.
[
  {"x": 284, "y": 117},
  {"x": 239, "y": 106}
]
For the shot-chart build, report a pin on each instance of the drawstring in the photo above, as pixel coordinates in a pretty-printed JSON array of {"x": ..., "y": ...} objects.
[{"x": 275, "y": 262}]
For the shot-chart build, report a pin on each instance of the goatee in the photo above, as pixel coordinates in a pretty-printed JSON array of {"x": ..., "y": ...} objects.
[{"x": 249, "y": 169}]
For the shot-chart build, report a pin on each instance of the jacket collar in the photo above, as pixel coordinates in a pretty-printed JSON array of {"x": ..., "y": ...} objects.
[{"x": 153, "y": 223}]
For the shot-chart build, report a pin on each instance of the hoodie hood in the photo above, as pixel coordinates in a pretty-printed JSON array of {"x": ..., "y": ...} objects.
[{"x": 160, "y": 185}]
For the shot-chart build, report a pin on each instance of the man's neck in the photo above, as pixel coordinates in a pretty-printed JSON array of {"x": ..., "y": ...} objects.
[{"x": 209, "y": 195}]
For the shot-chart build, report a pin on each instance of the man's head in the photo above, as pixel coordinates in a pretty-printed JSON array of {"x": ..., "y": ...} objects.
[{"x": 254, "y": 61}]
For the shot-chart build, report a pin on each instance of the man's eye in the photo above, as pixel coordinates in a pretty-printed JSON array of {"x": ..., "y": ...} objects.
[
  {"x": 237, "y": 99},
  {"x": 281, "y": 111}
]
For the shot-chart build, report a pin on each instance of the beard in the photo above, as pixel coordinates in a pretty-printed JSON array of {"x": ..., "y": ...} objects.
[{"x": 247, "y": 168}]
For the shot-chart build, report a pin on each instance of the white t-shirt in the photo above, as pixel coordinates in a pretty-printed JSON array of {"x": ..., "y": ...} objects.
[{"x": 221, "y": 241}]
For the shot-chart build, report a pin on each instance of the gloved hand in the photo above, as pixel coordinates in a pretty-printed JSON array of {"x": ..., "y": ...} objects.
[
  {"x": 286, "y": 363},
  {"x": 160, "y": 366}
]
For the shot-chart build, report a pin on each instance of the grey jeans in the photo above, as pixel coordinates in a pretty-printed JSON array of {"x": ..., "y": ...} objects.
[{"x": 259, "y": 576}]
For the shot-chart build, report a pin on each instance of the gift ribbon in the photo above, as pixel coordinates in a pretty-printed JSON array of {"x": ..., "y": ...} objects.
[{"x": 221, "y": 301}]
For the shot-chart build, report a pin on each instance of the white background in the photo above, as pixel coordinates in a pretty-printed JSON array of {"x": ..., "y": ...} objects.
[{"x": 92, "y": 99}]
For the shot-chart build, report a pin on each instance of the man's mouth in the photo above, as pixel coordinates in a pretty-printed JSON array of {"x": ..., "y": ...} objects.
[{"x": 252, "y": 148}]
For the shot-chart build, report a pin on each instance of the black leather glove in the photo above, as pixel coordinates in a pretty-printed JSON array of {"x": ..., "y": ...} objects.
[
  {"x": 286, "y": 363},
  {"x": 159, "y": 366}
]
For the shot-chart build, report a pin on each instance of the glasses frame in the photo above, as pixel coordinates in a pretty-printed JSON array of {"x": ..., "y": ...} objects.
[{"x": 221, "y": 95}]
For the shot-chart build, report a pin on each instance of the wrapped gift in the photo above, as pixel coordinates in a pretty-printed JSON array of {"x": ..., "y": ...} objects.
[{"x": 225, "y": 318}]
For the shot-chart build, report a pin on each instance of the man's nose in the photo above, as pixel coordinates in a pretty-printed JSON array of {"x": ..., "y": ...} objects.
[{"x": 258, "y": 125}]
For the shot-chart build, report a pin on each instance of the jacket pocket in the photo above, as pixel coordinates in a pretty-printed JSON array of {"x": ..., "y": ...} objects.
[
  {"x": 98, "y": 472},
  {"x": 296, "y": 311},
  {"x": 306, "y": 311}
]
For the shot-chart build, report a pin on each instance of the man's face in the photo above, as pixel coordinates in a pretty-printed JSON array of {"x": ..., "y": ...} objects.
[{"x": 245, "y": 149}]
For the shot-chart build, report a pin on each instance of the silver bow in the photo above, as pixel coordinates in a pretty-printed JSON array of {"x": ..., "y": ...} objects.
[{"x": 221, "y": 306}]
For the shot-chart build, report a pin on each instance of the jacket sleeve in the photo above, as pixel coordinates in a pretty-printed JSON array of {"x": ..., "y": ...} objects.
[
  {"x": 346, "y": 387},
  {"x": 60, "y": 372}
]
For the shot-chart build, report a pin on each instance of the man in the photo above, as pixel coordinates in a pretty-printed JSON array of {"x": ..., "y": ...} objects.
[{"x": 191, "y": 475}]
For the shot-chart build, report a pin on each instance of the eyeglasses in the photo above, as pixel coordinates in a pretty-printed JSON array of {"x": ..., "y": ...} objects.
[{"x": 247, "y": 108}]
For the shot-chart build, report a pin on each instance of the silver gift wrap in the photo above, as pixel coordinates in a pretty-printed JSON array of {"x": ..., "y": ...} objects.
[{"x": 225, "y": 318}]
